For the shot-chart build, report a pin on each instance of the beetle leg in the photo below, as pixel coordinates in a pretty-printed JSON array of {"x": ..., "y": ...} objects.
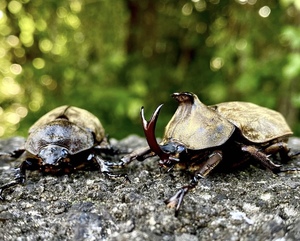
[
  {"x": 280, "y": 147},
  {"x": 139, "y": 154},
  {"x": 262, "y": 158},
  {"x": 105, "y": 169},
  {"x": 125, "y": 176},
  {"x": 6, "y": 154},
  {"x": 284, "y": 151},
  {"x": 20, "y": 178},
  {"x": 13, "y": 154},
  {"x": 213, "y": 160},
  {"x": 110, "y": 150},
  {"x": 6, "y": 186},
  {"x": 206, "y": 167},
  {"x": 176, "y": 200}
]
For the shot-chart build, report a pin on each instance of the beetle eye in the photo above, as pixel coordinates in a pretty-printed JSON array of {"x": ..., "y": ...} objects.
[
  {"x": 180, "y": 148},
  {"x": 173, "y": 148},
  {"x": 64, "y": 153}
]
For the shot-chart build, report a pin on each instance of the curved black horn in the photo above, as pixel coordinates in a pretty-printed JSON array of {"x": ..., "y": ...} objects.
[{"x": 149, "y": 130}]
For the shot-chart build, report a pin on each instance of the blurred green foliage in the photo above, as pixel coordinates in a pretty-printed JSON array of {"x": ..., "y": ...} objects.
[{"x": 111, "y": 58}]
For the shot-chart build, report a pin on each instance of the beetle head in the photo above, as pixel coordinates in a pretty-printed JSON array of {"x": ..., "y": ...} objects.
[
  {"x": 169, "y": 152},
  {"x": 183, "y": 97},
  {"x": 53, "y": 154},
  {"x": 173, "y": 149}
]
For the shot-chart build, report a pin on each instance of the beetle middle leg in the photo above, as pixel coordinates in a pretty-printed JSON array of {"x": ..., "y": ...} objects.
[{"x": 205, "y": 168}]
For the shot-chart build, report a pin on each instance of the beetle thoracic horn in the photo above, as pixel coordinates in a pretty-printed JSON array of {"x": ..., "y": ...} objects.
[{"x": 149, "y": 130}]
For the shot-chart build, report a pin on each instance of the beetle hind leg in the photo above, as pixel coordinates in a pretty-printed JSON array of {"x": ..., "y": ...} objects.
[
  {"x": 203, "y": 170},
  {"x": 281, "y": 148},
  {"x": 262, "y": 157}
]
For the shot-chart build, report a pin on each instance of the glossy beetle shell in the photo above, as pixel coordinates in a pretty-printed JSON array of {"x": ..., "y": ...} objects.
[{"x": 71, "y": 127}]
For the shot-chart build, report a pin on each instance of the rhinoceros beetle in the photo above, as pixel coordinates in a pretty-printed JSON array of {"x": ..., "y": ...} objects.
[
  {"x": 199, "y": 137},
  {"x": 62, "y": 141}
]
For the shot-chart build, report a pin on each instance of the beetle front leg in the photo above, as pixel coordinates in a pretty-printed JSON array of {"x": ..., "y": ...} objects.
[
  {"x": 205, "y": 168},
  {"x": 20, "y": 178},
  {"x": 140, "y": 154},
  {"x": 105, "y": 168}
]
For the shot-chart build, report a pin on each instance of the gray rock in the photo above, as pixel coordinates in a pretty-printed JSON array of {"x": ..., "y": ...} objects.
[{"x": 247, "y": 204}]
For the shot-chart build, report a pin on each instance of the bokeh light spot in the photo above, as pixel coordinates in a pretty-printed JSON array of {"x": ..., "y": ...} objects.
[
  {"x": 14, "y": 7},
  {"x": 16, "y": 69},
  {"x": 12, "y": 118},
  {"x": 22, "y": 111},
  {"x": 45, "y": 45},
  {"x": 264, "y": 12},
  {"x": 13, "y": 40},
  {"x": 216, "y": 63},
  {"x": 38, "y": 63},
  {"x": 9, "y": 86},
  {"x": 187, "y": 9}
]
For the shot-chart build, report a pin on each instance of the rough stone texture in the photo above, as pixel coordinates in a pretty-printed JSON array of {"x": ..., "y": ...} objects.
[{"x": 247, "y": 204}]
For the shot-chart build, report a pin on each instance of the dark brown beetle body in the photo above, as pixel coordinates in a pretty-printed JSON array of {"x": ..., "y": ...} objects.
[
  {"x": 62, "y": 141},
  {"x": 199, "y": 137}
]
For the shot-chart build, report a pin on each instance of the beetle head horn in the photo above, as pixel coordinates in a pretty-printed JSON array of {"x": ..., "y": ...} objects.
[
  {"x": 149, "y": 130},
  {"x": 184, "y": 97}
]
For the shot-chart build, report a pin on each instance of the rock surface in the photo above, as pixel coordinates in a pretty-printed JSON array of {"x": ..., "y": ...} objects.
[{"x": 247, "y": 204}]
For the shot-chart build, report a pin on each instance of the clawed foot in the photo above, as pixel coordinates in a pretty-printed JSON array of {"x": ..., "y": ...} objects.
[
  {"x": 6, "y": 186},
  {"x": 176, "y": 200},
  {"x": 1, "y": 196},
  {"x": 115, "y": 165},
  {"x": 289, "y": 170},
  {"x": 125, "y": 176},
  {"x": 294, "y": 154}
]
